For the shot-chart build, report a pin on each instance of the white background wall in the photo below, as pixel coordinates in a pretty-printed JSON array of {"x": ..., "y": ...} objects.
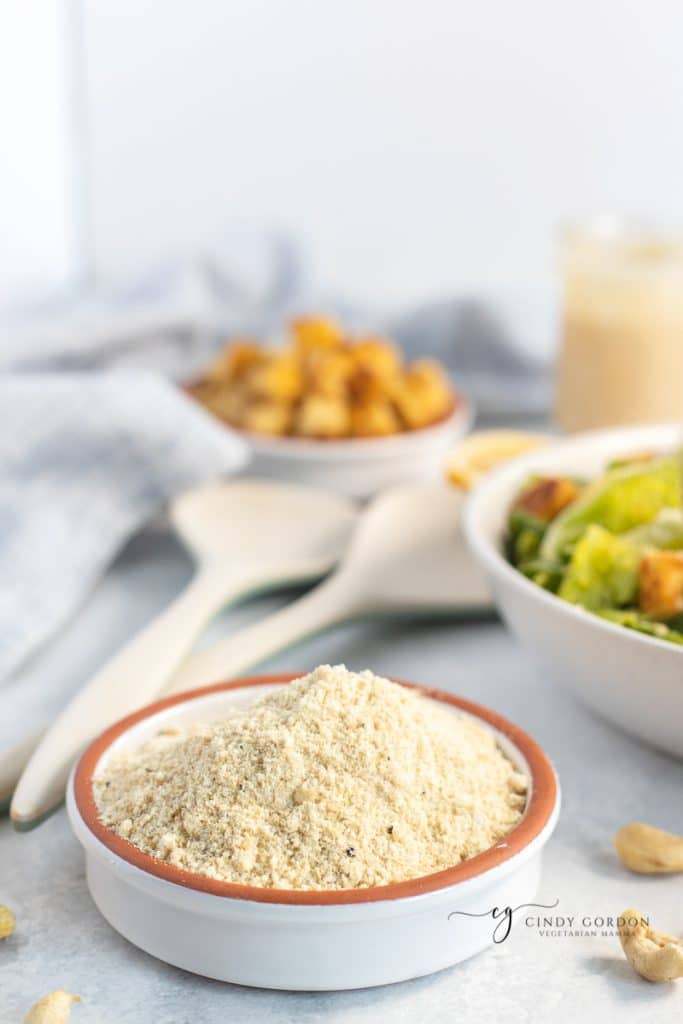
[
  {"x": 416, "y": 147},
  {"x": 38, "y": 246}
]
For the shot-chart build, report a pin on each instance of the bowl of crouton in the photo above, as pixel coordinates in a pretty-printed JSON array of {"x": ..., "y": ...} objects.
[
  {"x": 342, "y": 411},
  {"x": 582, "y": 543}
]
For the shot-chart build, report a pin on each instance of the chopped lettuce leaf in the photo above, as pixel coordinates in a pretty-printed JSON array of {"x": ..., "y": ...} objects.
[
  {"x": 636, "y": 620},
  {"x": 546, "y": 574},
  {"x": 525, "y": 534},
  {"x": 602, "y": 572},
  {"x": 619, "y": 501},
  {"x": 665, "y": 532}
]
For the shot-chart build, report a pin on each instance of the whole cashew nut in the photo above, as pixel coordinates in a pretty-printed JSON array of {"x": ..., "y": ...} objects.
[
  {"x": 653, "y": 955},
  {"x": 649, "y": 850},
  {"x": 54, "y": 1008}
]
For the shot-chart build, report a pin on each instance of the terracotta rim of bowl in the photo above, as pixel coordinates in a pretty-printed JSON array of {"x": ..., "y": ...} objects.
[{"x": 544, "y": 794}]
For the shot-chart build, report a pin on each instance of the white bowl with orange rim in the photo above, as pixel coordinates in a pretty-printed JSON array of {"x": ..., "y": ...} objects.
[{"x": 308, "y": 940}]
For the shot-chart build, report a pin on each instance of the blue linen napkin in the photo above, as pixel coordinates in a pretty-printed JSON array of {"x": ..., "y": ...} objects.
[{"x": 85, "y": 461}]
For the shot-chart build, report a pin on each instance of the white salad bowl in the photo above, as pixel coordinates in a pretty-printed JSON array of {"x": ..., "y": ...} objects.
[
  {"x": 361, "y": 467},
  {"x": 634, "y": 680},
  {"x": 308, "y": 940}
]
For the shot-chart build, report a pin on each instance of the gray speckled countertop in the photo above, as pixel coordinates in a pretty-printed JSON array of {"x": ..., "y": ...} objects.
[{"x": 607, "y": 779}]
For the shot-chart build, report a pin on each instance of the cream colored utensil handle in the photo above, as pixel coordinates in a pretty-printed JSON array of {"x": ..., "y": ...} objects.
[
  {"x": 330, "y": 602},
  {"x": 133, "y": 677},
  {"x": 13, "y": 760}
]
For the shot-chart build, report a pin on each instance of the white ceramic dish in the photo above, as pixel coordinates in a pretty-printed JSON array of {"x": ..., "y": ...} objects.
[
  {"x": 284, "y": 939},
  {"x": 361, "y": 467},
  {"x": 635, "y": 681}
]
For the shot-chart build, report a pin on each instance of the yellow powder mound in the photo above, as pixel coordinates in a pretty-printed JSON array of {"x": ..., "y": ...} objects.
[{"x": 339, "y": 780}]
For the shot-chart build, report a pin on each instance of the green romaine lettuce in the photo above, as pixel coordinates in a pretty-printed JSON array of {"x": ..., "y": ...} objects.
[
  {"x": 636, "y": 620},
  {"x": 548, "y": 575},
  {"x": 524, "y": 537},
  {"x": 621, "y": 500},
  {"x": 602, "y": 572},
  {"x": 665, "y": 532}
]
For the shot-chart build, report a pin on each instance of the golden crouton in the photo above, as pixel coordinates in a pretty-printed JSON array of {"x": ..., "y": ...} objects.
[
  {"x": 313, "y": 332},
  {"x": 329, "y": 371},
  {"x": 268, "y": 416},
  {"x": 374, "y": 419},
  {"x": 323, "y": 416},
  {"x": 227, "y": 404},
  {"x": 367, "y": 386},
  {"x": 234, "y": 361},
  {"x": 545, "y": 498},
  {"x": 278, "y": 377},
  {"x": 323, "y": 385},
  {"x": 423, "y": 395},
  {"x": 377, "y": 356},
  {"x": 429, "y": 374},
  {"x": 661, "y": 584}
]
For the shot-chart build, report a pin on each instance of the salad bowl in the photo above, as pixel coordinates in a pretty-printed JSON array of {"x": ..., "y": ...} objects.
[{"x": 633, "y": 679}]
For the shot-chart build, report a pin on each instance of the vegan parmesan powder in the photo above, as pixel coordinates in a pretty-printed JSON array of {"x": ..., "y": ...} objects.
[{"x": 338, "y": 780}]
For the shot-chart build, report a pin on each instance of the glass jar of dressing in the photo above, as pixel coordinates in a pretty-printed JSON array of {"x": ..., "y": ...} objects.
[{"x": 621, "y": 356}]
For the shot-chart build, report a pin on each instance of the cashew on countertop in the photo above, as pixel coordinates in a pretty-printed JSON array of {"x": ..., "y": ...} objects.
[
  {"x": 649, "y": 850},
  {"x": 654, "y": 955},
  {"x": 54, "y": 1008}
]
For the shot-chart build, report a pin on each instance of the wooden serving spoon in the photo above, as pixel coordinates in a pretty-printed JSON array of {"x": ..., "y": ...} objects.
[{"x": 407, "y": 559}]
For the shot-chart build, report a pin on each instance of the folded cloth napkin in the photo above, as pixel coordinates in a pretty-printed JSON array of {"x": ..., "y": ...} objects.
[
  {"x": 95, "y": 441},
  {"x": 85, "y": 460},
  {"x": 170, "y": 320}
]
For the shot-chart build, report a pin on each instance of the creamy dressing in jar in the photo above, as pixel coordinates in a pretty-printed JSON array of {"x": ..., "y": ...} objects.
[{"x": 621, "y": 358}]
